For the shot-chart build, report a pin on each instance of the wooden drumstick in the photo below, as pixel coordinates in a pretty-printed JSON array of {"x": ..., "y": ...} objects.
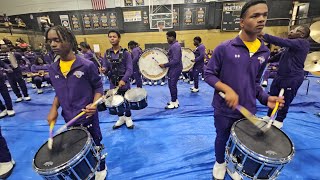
[
  {"x": 247, "y": 114},
  {"x": 50, "y": 140},
  {"x": 69, "y": 123},
  {"x": 275, "y": 110}
]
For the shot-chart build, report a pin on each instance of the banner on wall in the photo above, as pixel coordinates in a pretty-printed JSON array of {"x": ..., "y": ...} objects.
[
  {"x": 188, "y": 16},
  {"x": 201, "y": 11},
  {"x": 95, "y": 21},
  {"x": 139, "y": 2},
  {"x": 65, "y": 21},
  {"x": 113, "y": 19},
  {"x": 132, "y": 16},
  {"x": 104, "y": 20},
  {"x": 128, "y": 3},
  {"x": 145, "y": 17},
  {"x": 75, "y": 22},
  {"x": 86, "y": 21}
]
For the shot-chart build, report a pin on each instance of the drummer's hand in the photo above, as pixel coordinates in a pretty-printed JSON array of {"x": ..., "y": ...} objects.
[
  {"x": 232, "y": 98},
  {"x": 102, "y": 70},
  {"x": 121, "y": 83},
  {"x": 52, "y": 116},
  {"x": 90, "y": 110},
  {"x": 162, "y": 65},
  {"x": 272, "y": 101}
]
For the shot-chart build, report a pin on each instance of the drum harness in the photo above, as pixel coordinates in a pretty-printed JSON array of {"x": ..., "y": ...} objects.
[{"x": 115, "y": 75}]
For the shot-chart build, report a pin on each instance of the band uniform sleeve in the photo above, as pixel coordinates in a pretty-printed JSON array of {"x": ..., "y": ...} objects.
[
  {"x": 212, "y": 70},
  {"x": 135, "y": 56},
  {"x": 129, "y": 67},
  {"x": 291, "y": 43}
]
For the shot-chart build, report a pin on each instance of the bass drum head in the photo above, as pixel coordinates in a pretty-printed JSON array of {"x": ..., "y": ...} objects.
[
  {"x": 273, "y": 144},
  {"x": 149, "y": 64},
  {"x": 187, "y": 56},
  {"x": 135, "y": 94},
  {"x": 114, "y": 101},
  {"x": 66, "y": 146}
]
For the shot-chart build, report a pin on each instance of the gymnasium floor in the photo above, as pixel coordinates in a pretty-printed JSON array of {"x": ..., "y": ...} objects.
[{"x": 165, "y": 144}]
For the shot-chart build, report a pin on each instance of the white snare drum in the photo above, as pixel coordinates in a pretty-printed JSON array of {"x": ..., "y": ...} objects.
[
  {"x": 136, "y": 98},
  {"x": 115, "y": 104},
  {"x": 187, "y": 58},
  {"x": 149, "y": 64}
]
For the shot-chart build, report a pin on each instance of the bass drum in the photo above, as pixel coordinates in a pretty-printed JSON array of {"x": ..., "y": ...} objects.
[
  {"x": 149, "y": 64},
  {"x": 187, "y": 59}
]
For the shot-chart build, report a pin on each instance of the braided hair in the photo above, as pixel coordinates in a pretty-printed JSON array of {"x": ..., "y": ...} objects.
[{"x": 65, "y": 35}]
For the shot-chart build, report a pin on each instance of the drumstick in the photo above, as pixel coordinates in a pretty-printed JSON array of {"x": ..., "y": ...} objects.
[
  {"x": 50, "y": 140},
  {"x": 275, "y": 110},
  {"x": 64, "y": 127},
  {"x": 247, "y": 114}
]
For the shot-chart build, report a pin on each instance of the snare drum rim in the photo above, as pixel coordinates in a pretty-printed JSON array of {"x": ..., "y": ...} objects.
[
  {"x": 260, "y": 157},
  {"x": 69, "y": 164},
  {"x": 133, "y": 89},
  {"x": 187, "y": 69},
  {"x": 166, "y": 70}
]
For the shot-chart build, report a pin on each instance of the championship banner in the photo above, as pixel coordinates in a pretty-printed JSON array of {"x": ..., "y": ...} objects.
[
  {"x": 132, "y": 16},
  {"x": 65, "y": 21}
]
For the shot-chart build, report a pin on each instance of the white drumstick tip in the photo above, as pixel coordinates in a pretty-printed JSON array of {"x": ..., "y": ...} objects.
[{"x": 50, "y": 143}]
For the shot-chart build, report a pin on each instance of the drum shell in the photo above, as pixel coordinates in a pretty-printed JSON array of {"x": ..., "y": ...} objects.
[
  {"x": 83, "y": 165},
  {"x": 117, "y": 110},
  {"x": 138, "y": 105},
  {"x": 136, "y": 98}
]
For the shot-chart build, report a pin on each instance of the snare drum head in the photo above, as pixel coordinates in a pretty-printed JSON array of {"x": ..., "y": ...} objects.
[
  {"x": 187, "y": 56},
  {"x": 135, "y": 94},
  {"x": 272, "y": 144},
  {"x": 65, "y": 147},
  {"x": 114, "y": 101},
  {"x": 149, "y": 64}
]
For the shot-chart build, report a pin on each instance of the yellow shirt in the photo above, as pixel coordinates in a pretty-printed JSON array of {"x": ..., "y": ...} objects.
[
  {"x": 65, "y": 66},
  {"x": 253, "y": 46}
]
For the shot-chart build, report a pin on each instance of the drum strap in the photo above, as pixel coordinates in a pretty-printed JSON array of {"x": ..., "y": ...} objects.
[{"x": 116, "y": 75}]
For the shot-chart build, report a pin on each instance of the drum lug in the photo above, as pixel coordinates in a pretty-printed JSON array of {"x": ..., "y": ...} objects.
[
  {"x": 231, "y": 165},
  {"x": 239, "y": 167}
]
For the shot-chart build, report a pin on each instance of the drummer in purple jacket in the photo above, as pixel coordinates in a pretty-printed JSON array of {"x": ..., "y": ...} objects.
[
  {"x": 135, "y": 54},
  {"x": 290, "y": 74},
  {"x": 88, "y": 54},
  {"x": 235, "y": 69},
  {"x": 175, "y": 68},
  {"x": 117, "y": 65},
  {"x": 40, "y": 67},
  {"x": 200, "y": 54},
  {"x": 77, "y": 84}
]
